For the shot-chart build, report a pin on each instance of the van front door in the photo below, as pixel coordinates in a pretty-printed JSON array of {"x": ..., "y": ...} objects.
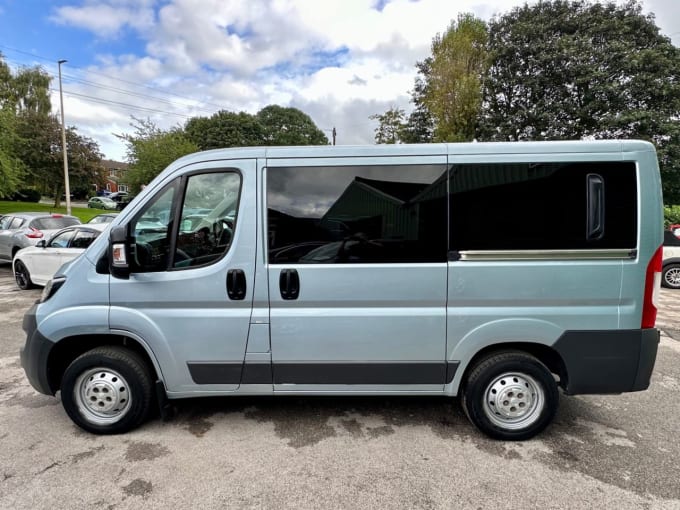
[
  {"x": 189, "y": 297},
  {"x": 357, "y": 274}
]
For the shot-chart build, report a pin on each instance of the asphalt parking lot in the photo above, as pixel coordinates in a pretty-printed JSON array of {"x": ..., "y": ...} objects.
[{"x": 602, "y": 451}]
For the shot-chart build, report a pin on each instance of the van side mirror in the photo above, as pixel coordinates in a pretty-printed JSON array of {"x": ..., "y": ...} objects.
[
  {"x": 119, "y": 253},
  {"x": 41, "y": 244}
]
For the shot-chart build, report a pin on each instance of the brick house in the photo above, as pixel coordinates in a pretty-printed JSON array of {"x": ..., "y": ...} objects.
[{"x": 116, "y": 175}]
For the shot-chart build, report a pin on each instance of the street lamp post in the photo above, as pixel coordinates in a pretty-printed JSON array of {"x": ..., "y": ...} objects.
[{"x": 67, "y": 186}]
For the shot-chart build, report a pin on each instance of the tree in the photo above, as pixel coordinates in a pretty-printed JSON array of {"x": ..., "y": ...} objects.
[
  {"x": 419, "y": 127},
  {"x": 11, "y": 167},
  {"x": 225, "y": 129},
  {"x": 289, "y": 126},
  {"x": 25, "y": 92},
  {"x": 150, "y": 150},
  {"x": 574, "y": 69},
  {"x": 273, "y": 125},
  {"x": 391, "y": 125},
  {"x": 448, "y": 87},
  {"x": 40, "y": 149},
  {"x": 452, "y": 89}
]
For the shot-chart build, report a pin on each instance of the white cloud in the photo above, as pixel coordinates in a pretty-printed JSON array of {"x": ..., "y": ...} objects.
[
  {"x": 106, "y": 19},
  {"x": 338, "y": 61}
]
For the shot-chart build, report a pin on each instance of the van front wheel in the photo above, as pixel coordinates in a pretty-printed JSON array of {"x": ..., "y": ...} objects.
[
  {"x": 107, "y": 390},
  {"x": 510, "y": 396}
]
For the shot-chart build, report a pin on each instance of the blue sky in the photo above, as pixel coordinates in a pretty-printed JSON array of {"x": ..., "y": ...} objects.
[{"x": 339, "y": 61}]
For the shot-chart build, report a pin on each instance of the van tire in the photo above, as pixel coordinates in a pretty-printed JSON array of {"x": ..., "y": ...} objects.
[
  {"x": 670, "y": 278},
  {"x": 107, "y": 390},
  {"x": 495, "y": 400}
]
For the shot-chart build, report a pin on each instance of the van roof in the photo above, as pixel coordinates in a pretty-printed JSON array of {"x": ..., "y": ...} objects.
[{"x": 430, "y": 149}]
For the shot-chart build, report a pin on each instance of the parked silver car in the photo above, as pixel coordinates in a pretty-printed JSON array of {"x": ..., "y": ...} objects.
[{"x": 20, "y": 230}]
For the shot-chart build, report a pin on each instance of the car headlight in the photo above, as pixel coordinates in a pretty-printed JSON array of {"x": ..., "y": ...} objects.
[{"x": 52, "y": 287}]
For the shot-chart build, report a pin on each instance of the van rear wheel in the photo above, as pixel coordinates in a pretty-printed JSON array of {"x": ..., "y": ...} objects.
[
  {"x": 510, "y": 396},
  {"x": 107, "y": 390}
]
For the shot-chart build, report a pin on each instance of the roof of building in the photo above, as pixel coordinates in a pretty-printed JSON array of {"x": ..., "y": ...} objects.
[{"x": 109, "y": 163}]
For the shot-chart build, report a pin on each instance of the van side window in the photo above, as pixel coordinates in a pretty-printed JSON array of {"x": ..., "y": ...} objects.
[
  {"x": 152, "y": 230},
  {"x": 357, "y": 214},
  {"x": 543, "y": 206},
  {"x": 208, "y": 218}
]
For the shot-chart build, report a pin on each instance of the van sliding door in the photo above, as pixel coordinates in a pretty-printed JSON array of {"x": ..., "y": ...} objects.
[{"x": 357, "y": 273}]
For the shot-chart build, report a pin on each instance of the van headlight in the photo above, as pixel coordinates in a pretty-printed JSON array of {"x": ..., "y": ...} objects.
[{"x": 52, "y": 287}]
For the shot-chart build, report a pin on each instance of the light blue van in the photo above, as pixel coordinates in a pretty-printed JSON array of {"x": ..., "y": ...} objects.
[{"x": 497, "y": 272}]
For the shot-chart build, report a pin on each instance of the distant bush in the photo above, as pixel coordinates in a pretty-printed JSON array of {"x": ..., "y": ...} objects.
[
  {"x": 26, "y": 195},
  {"x": 671, "y": 215}
]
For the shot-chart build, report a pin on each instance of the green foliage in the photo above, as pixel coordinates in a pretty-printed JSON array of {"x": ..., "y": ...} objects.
[
  {"x": 447, "y": 91},
  {"x": 40, "y": 148},
  {"x": 575, "y": 69},
  {"x": 671, "y": 215},
  {"x": 288, "y": 126},
  {"x": 273, "y": 125},
  {"x": 419, "y": 127},
  {"x": 225, "y": 129},
  {"x": 391, "y": 125},
  {"x": 27, "y": 90},
  {"x": 150, "y": 150},
  {"x": 11, "y": 167},
  {"x": 453, "y": 77}
]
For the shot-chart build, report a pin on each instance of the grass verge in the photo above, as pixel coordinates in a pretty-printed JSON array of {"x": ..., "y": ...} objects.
[{"x": 83, "y": 213}]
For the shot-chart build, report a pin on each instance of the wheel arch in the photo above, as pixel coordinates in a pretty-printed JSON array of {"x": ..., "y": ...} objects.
[
  {"x": 69, "y": 348},
  {"x": 543, "y": 353}
]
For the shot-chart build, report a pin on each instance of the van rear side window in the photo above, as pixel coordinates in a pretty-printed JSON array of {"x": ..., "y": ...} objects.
[{"x": 543, "y": 206}]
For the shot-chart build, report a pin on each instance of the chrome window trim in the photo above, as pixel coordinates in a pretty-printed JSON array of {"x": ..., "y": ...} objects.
[{"x": 476, "y": 255}]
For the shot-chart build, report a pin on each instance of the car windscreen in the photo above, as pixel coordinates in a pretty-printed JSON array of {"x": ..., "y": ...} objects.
[{"x": 53, "y": 223}]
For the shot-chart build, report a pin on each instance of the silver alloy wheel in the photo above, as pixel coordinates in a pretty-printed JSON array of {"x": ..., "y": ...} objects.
[
  {"x": 102, "y": 396},
  {"x": 513, "y": 401},
  {"x": 672, "y": 277}
]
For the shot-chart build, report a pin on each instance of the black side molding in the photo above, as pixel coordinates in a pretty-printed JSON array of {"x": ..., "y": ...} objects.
[{"x": 323, "y": 373}]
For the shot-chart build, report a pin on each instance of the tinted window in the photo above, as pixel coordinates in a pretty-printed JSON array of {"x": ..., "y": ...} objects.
[
  {"x": 61, "y": 240},
  {"x": 542, "y": 206},
  {"x": 54, "y": 223},
  {"x": 151, "y": 232},
  {"x": 83, "y": 239},
  {"x": 359, "y": 214}
]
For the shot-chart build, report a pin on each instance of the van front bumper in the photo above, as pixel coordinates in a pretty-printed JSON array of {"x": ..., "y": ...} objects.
[
  {"x": 612, "y": 361},
  {"x": 35, "y": 352}
]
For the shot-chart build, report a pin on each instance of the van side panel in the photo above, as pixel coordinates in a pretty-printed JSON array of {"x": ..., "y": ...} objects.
[{"x": 576, "y": 303}]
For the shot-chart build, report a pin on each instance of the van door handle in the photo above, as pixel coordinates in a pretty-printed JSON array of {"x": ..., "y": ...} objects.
[
  {"x": 289, "y": 284},
  {"x": 236, "y": 284}
]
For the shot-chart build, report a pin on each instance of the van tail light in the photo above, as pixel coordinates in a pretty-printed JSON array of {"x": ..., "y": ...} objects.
[
  {"x": 652, "y": 289},
  {"x": 34, "y": 233}
]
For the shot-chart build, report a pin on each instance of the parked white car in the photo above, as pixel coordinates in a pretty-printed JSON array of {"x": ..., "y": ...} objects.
[
  {"x": 670, "y": 276},
  {"x": 37, "y": 264}
]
